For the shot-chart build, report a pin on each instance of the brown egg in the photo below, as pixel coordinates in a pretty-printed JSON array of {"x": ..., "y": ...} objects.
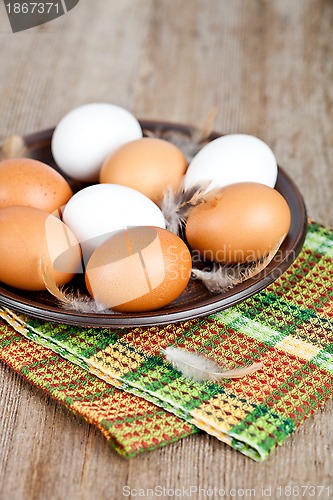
[
  {"x": 28, "y": 235},
  {"x": 139, "y": 269},
  {"x": 28, "y": 182},
  {"x": 149, "y": 165},
  {"x": 238, "y": 223}
]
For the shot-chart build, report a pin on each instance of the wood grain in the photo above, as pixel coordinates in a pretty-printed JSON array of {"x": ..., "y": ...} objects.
[{"x": 267, "y": 67}]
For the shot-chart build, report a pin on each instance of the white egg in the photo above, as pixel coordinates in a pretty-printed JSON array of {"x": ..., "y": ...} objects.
[
  {"x": 88, "y": 134},
  {"x": 96, "y": 212},
  {"x": 230, "y": 159}
]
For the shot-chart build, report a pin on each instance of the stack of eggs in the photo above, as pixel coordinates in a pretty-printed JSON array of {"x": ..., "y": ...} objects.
[{"x": 114, "y": 230}]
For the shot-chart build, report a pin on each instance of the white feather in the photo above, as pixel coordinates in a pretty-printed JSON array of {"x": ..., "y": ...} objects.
[
  {"x": 13, "y": 146},
  {"x": 222, "y": 277},
  {"x": 199, "y": 368},
  {"x": 70, "y": 300},
  {"x": 190, "y": 143},
  {"x": 176, "y": 205}
]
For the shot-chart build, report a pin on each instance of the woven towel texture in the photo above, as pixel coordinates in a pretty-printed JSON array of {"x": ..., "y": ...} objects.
[
  {"x": 131, "y": 424},
  {"x": 288, "y": 327}
]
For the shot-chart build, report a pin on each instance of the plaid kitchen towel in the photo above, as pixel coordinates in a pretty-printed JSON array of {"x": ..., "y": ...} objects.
[
  {"x": 287, "y": 326},
  {"x": 129, "y": 423}
]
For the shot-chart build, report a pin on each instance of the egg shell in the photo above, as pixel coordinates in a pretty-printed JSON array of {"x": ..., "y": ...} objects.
[
  {"x": 85, "y": 136},
  {"x": 233, "y": 158},
  {"x": 97, "y": 211},
  {"x": 139, "y": 269},
  {"x": 28, "y": 182},
  {"x": 238, "y": 223},
  {"x": 149, "y": 165},
  {"x": 28, "y": 235}
]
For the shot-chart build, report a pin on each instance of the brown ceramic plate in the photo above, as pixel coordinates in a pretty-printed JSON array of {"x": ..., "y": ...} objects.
[{"x": 195, "y": 301}]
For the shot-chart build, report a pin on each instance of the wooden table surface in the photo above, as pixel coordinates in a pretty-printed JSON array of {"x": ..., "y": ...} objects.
[{"x": 267, "y": 67}]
